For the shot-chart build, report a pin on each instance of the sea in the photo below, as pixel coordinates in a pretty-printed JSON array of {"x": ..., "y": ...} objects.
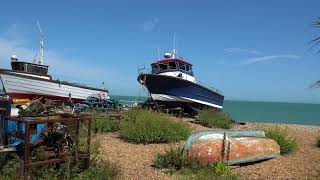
[{"x": 256, "y": 111}]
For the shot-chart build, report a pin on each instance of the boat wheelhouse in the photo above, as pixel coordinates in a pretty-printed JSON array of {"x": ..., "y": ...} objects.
[
  {"x": 172, "y": 84},
  {"x": 31, "y": 68},
  {"x": 28, "y": 68},
  {"x": 173, "y": 67}
]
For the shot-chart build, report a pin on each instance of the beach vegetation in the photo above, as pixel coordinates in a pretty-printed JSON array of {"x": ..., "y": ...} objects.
[
  {"x": 147, "y": 126},
  {"x": 103, "y": 170},
  {"x": 318, "y": 140},
  {"x": 288, "y": 144},
  {"x": 211, "y": 118},
  {"x": 72, "y": 169},
  {"x": 207, "y": 172},
  {"x": 11, "y": 170},
  {"x": 174, "y": 162},
  {"x": 103, "y": 124}
]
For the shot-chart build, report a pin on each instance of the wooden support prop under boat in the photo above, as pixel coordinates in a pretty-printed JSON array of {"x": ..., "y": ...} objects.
[{"x": 231, "y": 147}]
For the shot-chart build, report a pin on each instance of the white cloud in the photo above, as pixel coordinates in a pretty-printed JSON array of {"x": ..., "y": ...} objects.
[
  {"x": 240, "y": 50},
  {"x": 270, "y": 58},
  {"x": 10, "y": 47},
  {"x": 150, "y": 25}
]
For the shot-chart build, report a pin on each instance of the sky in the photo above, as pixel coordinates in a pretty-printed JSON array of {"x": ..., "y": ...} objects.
[{"x": 251, "y": 50}]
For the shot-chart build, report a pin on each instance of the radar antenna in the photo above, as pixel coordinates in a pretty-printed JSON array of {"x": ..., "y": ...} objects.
[{"x": 41, "y": 59}]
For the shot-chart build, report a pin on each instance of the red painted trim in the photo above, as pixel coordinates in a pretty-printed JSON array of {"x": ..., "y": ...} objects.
[
  {"x": 171, "y": 59},
  {"x": 33, "y": 96}
]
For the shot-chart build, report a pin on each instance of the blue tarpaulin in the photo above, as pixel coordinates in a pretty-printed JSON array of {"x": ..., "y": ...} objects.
[{"x": 13, "y": 126}]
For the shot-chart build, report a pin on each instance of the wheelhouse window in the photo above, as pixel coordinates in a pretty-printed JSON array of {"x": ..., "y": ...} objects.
[
  {"x": 1, "y": 87},
  {"x": 187, "y": 68},
  {"x": 182, "y": 66},
  {"x": 155, "y": 68},
  {"x": 163, "y": 66},
  {"x": 172, "y": 65},
  {"x": 190, "y": 70},
  {"x": 29, "y": 67}
]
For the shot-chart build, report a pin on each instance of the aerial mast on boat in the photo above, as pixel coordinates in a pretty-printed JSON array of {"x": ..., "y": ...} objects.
[
  {"x": 41, "y": 60},
  {"x": 174, "y": 51}
]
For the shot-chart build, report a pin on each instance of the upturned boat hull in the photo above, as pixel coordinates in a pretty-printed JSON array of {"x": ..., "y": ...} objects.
[{"x": 231, "y": 147}]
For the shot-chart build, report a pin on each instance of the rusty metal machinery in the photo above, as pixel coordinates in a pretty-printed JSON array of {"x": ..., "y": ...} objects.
[
  {"x": 5, "y": 108},
  {"x": 56, "y": 139}
]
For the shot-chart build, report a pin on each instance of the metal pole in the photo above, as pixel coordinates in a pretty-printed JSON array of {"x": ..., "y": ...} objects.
[
  {"x": 26, "y": 150},
  {"x": 77, "y": 139},
  {"x": 88, "y": 140},
  {"x": 41, "y": 45},
  {"x": 5, "y": 129}
]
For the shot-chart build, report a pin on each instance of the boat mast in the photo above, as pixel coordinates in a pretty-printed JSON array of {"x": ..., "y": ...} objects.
[
  {"x": 174, "y": 51},
  {"x": 41, "y": 60}
]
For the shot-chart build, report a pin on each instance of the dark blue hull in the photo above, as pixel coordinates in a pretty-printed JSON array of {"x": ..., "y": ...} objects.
[{"x": 177, "y": 92}]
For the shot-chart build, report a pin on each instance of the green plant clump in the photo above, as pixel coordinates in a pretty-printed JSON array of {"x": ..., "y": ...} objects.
[
  {"x": 98, "y": 169},
  {"x": 221, "y": 169},
  {"x": 205, "y": 173},
  {"x": 287, "y": 143},
  {"x": 218, "y": 119},
  {"x": 10, "y": 170},
  {"x": 146, "y": 126},
  {"x": 102, "y": 171},
  {"x": 104, "y": 124},
  {"x": 173, "y": 161},
  {"x": 217, "y": 170}
]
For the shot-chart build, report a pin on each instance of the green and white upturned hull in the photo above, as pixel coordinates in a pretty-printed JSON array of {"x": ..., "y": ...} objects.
[{"x": 231, "y": 147}]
